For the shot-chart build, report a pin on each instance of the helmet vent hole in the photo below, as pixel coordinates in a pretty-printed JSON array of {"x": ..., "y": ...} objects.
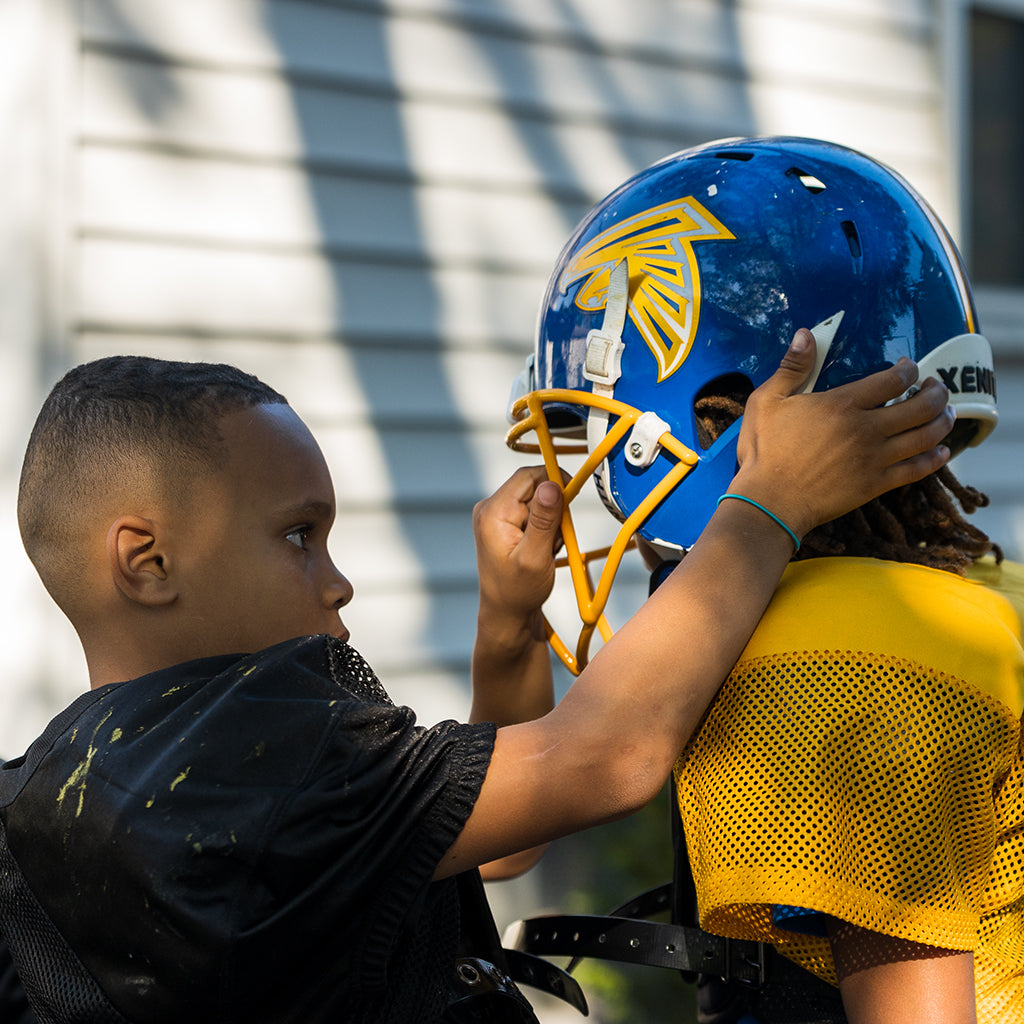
[
  {"x": 734, "y": 154},
  {"x": 813, "y": 184},
  {"x": 852, "y": 238}
]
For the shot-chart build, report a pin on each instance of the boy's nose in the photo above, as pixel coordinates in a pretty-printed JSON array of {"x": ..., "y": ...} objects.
[{"x": 338, "y": 592}]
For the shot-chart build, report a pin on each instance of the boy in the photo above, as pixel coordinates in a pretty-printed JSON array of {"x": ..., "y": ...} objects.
[
  {"x": 235, "y": 823},
  {"x": 855, "y": 795}
]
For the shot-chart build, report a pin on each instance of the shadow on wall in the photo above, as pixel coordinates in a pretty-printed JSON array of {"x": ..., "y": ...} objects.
[{"x": 443, "y": 122}]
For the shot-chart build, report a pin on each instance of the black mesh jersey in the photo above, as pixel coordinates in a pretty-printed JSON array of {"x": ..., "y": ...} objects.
[
  {"x": 14, "y": 1008},
  {"x": 237, "y": 839}
]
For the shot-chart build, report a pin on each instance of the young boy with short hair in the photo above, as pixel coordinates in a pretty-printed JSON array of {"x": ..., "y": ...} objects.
[{"x": 235, "y": 823}]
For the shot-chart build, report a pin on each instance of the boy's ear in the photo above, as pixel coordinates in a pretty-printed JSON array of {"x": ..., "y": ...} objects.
[{"x": 137, "y": 562}]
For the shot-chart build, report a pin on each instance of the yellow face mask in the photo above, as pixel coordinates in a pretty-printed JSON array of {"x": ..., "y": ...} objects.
[{"x": 529, "y": 416}]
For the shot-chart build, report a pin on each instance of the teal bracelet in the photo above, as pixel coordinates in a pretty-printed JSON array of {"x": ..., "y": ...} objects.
[{"x": 771, "y": 515}]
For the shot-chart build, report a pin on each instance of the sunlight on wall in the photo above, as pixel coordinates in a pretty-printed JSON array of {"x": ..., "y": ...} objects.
[
  {"x": 43, "y": 665},
  {"x": 142, "y": 228},
  {"x": 821, "y": 73}
]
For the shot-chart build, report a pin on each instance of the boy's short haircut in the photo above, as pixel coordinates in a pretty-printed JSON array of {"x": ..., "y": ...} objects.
[{"x": 132, "y": 428}]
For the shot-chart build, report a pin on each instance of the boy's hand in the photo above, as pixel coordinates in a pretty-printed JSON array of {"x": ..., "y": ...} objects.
[
  {"x": 517, "y": 533},
  {"x": 811, "y": 458}
]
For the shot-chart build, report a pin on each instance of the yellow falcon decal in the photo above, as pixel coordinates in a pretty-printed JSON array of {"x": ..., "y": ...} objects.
[{"x": 658, "y": 247}]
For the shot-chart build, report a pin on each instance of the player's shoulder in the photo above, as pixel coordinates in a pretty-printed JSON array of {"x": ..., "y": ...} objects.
[
  {"x": 1005, "y": 578},
  {"x": 870, "y": 604}
]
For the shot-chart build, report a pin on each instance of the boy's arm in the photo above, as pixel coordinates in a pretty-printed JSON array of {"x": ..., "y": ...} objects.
[
  {"x": 511, "y": 669},
  {"x": 607, "y": 747},
  {"x": 884, "y": 980},
  {"x": 511, "y": 660}
]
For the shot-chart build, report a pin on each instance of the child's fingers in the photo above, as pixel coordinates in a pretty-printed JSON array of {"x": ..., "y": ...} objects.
[
  {"x": 795, "y": 367},
  {"x": 916, "y": 467},
  {"x": 915, "y": 452},
  {"x": 878, "y": 388},
  {"x": 928, "y": 407},
  {"x": 510, "y": 502},
  {"x": 540, "y": 537}
]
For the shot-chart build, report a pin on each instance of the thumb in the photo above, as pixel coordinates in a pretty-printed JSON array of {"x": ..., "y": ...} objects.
[
  {"x": 796, "y": 365},
  {"x": 545, "y": 517}
]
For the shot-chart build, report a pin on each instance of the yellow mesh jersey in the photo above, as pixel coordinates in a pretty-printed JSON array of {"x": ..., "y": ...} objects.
[{"x": 864, "y": 760}]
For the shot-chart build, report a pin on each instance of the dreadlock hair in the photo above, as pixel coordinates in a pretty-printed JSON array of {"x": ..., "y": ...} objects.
[
  {"x": 922, "y": 523},
  {"x": 120, "y": 431}
]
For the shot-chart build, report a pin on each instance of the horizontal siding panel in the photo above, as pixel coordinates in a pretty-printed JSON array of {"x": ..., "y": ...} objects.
[
  {"x": 896, "y": 134},
  {"x": 433, "y": 549},
  {"x": 404, "y": 634},
  {"x": 795, "y": 45},
  {"x": 330, "y": 383},
  {"x": 164, "y": 195},
  {"x": 201, "y": 113},
  {"x": 408, "y": 630},
  {"x": 655, "y": 22},
  {"x": 264, "y": 118},
  {"x": 587, "y": 65},
  {"x": 325, "y": 38},
  {"x": 251, "y": 115},
  {"x": 436, "y": 695},
  {"x": 445, "y": 65},
  {"x": 897, "y": 15},
  {"x": 165, "y": 287},
  {"x": 435, "y": 469},
  {"x": 412, "y": 468},
  {"x": 278, "y": 34}
]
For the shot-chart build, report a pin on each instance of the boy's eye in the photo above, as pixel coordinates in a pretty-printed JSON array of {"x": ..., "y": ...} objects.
[{"x": 298, "y": 537}]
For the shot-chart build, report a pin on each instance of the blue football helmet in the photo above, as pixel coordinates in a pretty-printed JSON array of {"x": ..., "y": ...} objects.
[{"x": 697, "y": 272}]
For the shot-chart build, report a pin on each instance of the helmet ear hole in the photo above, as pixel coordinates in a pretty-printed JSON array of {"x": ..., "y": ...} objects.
[{"x": 718, "y": 405}]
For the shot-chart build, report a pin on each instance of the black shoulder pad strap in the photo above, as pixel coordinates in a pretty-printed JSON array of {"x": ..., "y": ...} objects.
[{"x": 644, "y": 942}]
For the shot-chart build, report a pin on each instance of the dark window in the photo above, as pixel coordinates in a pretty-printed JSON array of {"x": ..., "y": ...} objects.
[{"x": 996, "y": 249}]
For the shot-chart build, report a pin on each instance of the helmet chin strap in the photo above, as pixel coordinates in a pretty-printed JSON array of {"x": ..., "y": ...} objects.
[
  {"x": 603, "y": 367},
  {"x": 603, "y": 364}
]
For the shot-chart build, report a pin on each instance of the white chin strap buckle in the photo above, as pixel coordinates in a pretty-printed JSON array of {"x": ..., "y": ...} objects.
[{"x": 603, "y": 364}]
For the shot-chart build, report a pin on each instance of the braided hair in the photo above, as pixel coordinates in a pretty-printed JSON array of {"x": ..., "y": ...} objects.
[{"x": 923, "y": 523}]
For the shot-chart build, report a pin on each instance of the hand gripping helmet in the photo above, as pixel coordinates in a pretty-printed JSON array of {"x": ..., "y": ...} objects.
[{"x": 701, "y": 268}]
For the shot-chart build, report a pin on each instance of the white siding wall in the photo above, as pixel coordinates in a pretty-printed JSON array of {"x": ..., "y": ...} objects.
[{"x": 360, "y": 201}]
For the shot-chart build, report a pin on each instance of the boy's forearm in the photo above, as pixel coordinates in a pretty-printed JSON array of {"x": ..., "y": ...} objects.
[
  {"x": 512, "y": 683},
  {"x": 652, "y": 683},
  {"x": 611, "y": 741},
  {"x": 511, "y": 669}
]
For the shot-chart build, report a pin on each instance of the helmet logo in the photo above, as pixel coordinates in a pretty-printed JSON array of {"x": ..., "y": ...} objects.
[{"x": 658, "y": 247}]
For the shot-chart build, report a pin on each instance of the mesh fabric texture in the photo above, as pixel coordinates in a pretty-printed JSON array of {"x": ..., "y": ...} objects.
[
  {"x": 260, "y": 830},
  {"x": 59, "y": 985},
  {"x": 864, "y": 760}
]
